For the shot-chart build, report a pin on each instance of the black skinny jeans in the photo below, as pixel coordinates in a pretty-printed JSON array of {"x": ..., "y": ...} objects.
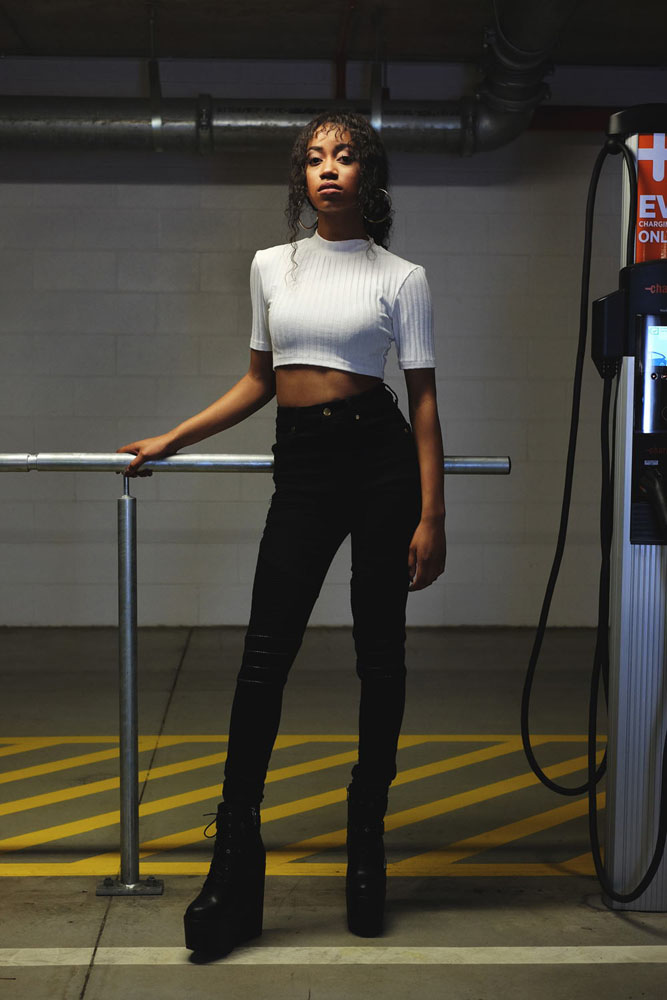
[{"x": 346, "y": 466}]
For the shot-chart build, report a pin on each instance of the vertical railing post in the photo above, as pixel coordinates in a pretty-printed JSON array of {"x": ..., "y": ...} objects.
[{"x": 129, "y": 883}]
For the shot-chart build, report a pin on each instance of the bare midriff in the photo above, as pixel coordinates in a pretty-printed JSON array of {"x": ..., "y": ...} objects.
[{"x": 306, "y": 385}]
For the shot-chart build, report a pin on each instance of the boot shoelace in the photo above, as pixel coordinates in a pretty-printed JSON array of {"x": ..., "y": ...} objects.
[{"x": 222, "y": 862}]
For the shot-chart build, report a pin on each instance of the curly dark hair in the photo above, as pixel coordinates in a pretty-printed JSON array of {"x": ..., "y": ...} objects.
[{"x": 374, "y": 173}]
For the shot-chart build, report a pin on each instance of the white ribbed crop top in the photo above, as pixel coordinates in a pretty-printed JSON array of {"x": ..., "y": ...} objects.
[{"x": 341, "y": 307}]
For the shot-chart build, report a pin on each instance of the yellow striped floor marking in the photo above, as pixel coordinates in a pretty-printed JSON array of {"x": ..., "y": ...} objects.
[
  {"x": 108, "y": 784},
  {"x": 394, "y": 821},
  {"x": 439, "y": 862},
  {"x": 49, "y": 834},
  {"x": 285, "y": 861},
  {"x": 22, "y": 773},
  {"x": 289, "y": 860},
  {"x": 14, "y": 748},
  {"x": 194, "y": 835},
  {"x": 17, "y": 744}
]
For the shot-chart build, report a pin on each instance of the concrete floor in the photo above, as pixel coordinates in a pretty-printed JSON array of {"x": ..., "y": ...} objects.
[{"x": 479, "y": 859}]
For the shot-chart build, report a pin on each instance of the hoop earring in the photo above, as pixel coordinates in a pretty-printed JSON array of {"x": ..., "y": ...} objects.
[
  {"x": 376, "y": 222},
  {"x": 307, "y": 227}
]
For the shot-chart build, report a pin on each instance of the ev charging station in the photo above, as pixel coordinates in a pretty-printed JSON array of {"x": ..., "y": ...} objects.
[
  {"x": 629, "y": 348},
  {"x": 630, "y": 328}
]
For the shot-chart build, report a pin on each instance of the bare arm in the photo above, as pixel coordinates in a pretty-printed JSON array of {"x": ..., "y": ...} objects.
[
  {"x": 427, "y": 553},
  {"x": 248, "y": 395},
  {"x": 425, "y": 422}
]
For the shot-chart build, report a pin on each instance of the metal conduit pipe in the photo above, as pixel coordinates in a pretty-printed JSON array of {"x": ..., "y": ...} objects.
[
  {"x": 515, "y": 60},
  {"x": 207, "y": 125}
]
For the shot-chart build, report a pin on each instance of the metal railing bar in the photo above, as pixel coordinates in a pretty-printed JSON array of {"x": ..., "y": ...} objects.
[{"x": 111, "y": 462}]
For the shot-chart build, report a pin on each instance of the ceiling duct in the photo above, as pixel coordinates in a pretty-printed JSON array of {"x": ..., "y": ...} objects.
[{"x": 515, "y": 61}]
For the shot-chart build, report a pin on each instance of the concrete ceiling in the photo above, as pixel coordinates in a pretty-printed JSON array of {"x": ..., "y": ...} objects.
[{"x": 602, "y": 32}]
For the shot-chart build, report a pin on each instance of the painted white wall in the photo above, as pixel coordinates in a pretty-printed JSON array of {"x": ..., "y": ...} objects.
[{"x": 124, "y": 308}]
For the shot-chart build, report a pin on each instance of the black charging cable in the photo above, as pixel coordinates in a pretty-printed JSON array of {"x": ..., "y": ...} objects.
[
  {"x": 601, "y": 655},
  {"x": 608, "y": 149}
]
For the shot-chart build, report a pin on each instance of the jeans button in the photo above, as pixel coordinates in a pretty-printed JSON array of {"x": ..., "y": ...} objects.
[{"x": 326, "y": 411}]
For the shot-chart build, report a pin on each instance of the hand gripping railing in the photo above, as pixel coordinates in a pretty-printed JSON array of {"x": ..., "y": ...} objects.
[{"x": 129, "y": 883}]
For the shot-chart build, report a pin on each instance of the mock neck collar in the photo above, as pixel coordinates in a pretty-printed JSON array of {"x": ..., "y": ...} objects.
[{"x": 338, "y": 246}]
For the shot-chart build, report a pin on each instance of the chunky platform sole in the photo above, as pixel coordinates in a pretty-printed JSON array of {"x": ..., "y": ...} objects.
[
  {"x": 365, "y": 907},
  {"x": 215, "y": 936}
]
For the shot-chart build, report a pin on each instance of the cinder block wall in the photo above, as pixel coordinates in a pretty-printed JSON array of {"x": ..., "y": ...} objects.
[{"x": 124, "y": 308}]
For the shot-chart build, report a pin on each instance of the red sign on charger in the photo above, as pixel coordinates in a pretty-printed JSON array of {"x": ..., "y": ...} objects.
[{"x": 651, "y": 241}]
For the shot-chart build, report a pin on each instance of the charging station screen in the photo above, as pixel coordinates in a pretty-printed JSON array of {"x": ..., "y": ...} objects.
[
  {"x": 655, "y": 373},
  {"x": 657, "y": 345},
  {"x": 657, "y": 336}
]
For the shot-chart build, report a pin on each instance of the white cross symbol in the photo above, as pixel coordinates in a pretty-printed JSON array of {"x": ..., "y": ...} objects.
[{"x": 658, "y": 154}]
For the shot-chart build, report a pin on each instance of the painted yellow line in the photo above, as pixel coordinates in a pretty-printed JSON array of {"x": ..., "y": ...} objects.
[
  {"x": 438, "y": 862},
  {"x": 406, "y": 817},
  {"x": 14, "y": 748},
  {"x": 62, "y": 795},
  {"x": 109, "y": 784},
  {"x": 322, "y": 799},
  {"x": 57, "y": 741},
  {"x": 21, "y": 774},
  {"x": 583, "y": 864},
  {"x": 30, "y": 742},
  {"x": 153, "y": 739},
  {"x": 285, "y": 861},
  {"x": 110, "y": 861},
  {"x": 288, "y": 741},
  {"x": 482, "y": 794},
  {"x": 185, "y": 838},
  {"x": 518, "y": 870},
  {"x": 460, "y": 760},
  {"x": 72, "y": 829},
  {"x": 195, "y": 834},
  {"x": 458, "y": 738},
  {"x": 292, "y": 808},
  {"x": 145, "y": 744},
  {"x": 276, "y": 866}
]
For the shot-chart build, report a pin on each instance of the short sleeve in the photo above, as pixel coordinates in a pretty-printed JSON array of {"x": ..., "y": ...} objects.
[
  {"x": 412, "y": 320},
  {"x": 260, "y": 338}
]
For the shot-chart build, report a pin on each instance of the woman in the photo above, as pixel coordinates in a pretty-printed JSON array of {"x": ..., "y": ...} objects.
[{"x": 325, "y": 311}]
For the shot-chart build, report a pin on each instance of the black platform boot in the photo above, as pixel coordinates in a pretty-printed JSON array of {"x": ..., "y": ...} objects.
[
  {"x": 228, "y": 910},
  {"x": 366, "y": 878}
]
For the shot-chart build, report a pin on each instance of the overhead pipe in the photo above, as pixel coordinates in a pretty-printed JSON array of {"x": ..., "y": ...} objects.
[
  {"x": 341, "y": 50},
  {"x": 515, "y": 61}
]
